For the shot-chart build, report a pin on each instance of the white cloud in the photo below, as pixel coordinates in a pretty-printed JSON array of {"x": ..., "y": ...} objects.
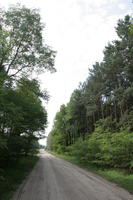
[{"x": 122, "y": 6}]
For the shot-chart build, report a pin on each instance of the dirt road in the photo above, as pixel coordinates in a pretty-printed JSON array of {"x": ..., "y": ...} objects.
[{"x": 56, "y": 179}]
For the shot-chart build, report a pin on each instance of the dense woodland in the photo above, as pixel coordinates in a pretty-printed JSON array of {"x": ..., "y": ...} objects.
[
  {"x": 23, "y": 53},
  {"x": 96, "y": 125}
]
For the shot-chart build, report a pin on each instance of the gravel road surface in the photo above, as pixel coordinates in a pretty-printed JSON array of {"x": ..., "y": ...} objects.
[{"x": 55, "y": 179}]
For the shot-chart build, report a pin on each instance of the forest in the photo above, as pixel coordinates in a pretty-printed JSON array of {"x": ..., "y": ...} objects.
[{"x": 96, "y": 125}]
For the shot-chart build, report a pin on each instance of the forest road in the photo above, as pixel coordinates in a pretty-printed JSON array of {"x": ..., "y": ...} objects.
[{"x": 55, "y": 179}]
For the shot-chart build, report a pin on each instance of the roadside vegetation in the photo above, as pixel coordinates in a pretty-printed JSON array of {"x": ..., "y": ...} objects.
[
  {"x": 23, "y": 118},
  {"x": 96, "y": 125},
  {"x": 120, "y": 177},
  {"x": 14, "y": 174}
]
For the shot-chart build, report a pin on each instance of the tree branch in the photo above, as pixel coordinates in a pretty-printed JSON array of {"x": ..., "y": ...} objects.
[
  {"x": 16, "y": 54},
  {"x": 18, "y": 70}
]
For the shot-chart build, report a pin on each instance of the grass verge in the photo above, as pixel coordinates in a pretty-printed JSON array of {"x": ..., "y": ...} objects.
[
  {"x": 13, "y": 175},
  {"x": 121, "y": 178}
]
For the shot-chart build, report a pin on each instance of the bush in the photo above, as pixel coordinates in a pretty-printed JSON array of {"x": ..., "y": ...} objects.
[
  {"x": 79, "y": 150},
  {"x": 99, "y": 149},
  {"x": 107, "y": 150},
  {"x": 111, "y": 150},
  {"x": 126, "y": 121},
  {"x": 107, "y": 125}
]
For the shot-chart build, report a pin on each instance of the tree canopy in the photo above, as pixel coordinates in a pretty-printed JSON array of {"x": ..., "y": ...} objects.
[
  {"x": 22, "y": 47},
  {"x": 23, "y": 118},
  {"x": 100, "y": 111}
]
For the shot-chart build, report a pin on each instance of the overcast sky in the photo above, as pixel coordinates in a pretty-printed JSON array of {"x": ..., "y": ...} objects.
[{"x": 78, "y": 30}]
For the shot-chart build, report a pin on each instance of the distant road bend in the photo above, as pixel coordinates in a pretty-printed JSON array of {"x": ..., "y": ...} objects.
[{"x": 56, "y": 179}]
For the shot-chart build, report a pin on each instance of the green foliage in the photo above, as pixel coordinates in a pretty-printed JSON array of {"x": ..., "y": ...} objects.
[
  {"x": 123, "y": 179},
  {"x": 79, "y": 150},
  {"x": 23, "y": 119},
  {"x": 119, "y": 177},
  {"x": 105, "y": 150},
  {"x": 101, "y": 109},
  {"x": 3, "y": 143},
  {"x": 106, "y": 125},
  {"x": 12, "y": 176},
  {"x": 126, "y": 122},
  {"x": 22, "y": 46}
]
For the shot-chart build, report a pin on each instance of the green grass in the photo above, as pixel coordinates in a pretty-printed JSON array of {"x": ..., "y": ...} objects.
[
  {"x": 13, "y": 175},
  {"x": 121, "y": 178}
]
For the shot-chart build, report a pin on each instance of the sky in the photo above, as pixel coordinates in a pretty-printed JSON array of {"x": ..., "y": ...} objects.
[{"x": 78, "y": 30}]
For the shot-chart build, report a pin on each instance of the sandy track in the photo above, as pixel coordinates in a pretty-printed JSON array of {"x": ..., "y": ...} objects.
[{"x": 56, "y": 179}]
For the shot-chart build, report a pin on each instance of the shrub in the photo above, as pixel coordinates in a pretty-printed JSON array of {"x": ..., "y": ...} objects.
[
  {"x": 79, "y": 150},
  {"x": 111, "y": 149},
  {"x": 107, "y": 150}
]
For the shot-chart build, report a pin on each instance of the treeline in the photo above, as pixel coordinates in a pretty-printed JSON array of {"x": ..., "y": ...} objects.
[
  {"x": 97, "y": 123},
  {"x": 23, "y": 118}
]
